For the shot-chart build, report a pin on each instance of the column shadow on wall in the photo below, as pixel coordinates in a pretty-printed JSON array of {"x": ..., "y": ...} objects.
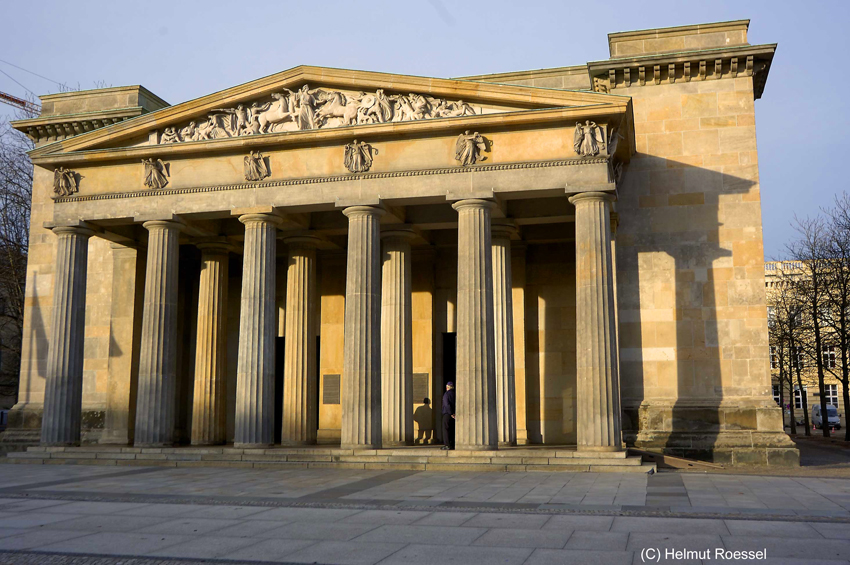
[
  {"x": 550, "y": 324},
  {"x": 675, "y": 254}
]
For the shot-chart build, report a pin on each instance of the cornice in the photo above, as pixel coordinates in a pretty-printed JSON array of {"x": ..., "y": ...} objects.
[
  {"x": 48, "y": 129},
  {"x": 667, "y": 68},
  {"x": 473, "y": 169}
]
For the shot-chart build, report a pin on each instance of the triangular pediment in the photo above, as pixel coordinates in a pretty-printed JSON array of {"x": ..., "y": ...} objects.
[{"x": 306, "y": 99}]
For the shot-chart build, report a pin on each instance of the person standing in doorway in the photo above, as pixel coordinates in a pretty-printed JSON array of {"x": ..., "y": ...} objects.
[{"x": 449, "y": 417}]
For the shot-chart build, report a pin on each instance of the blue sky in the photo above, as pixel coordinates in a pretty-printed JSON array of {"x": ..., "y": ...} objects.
[{"x": 181, "y": 50}]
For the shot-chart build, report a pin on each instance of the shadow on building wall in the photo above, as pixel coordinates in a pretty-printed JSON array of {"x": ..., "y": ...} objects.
[{"x": 690, "y": 302}]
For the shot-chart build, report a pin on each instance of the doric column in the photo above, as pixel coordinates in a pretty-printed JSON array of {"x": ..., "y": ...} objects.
[
  {"x": 155, "y": 399},
  {"x": 476, "y": 363},
  {"x": 361, "y": 398},
  {"x": 255, "y": 366},
  {"x": 503, "y": 322},
  {"x": 63, "y": 393},
  {"x": 598, "y": 389},
  {"x": 208, "y": 419},
  {"x": 396, "y": 339},
  {"x": 300, "y": 385}
]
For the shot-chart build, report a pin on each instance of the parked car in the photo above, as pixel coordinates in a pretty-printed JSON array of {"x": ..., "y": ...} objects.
[{"x": 833, "y": 421}]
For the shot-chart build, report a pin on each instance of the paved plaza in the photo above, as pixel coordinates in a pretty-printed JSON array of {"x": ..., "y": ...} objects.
[{"x": 59, "y": 514}]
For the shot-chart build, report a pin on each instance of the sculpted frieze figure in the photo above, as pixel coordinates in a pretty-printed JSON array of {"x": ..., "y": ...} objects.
[
  {"x": 255, "y": 166},
  {"x": 587, "y": 139},
  {"x": 358, "y": 156},
  {"x": 468, "y": 148},
  {"x": 64, "y": 182},
  {"x": 156, "y": 173},
  {"x": 306, "y": 109},
  {"x": 169, "y": 135}
]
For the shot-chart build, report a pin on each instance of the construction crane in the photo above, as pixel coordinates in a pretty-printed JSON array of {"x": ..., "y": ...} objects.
[{"x": 24, "y": 105}]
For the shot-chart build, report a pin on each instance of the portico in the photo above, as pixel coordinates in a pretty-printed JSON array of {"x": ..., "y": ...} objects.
[{"x": 380, "y": 221}]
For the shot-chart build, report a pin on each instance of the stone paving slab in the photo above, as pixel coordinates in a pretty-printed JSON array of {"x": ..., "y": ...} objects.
[{"x": 176, "y": 515}]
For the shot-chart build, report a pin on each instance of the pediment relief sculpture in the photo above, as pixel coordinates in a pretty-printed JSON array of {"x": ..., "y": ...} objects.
[
  {"x": 468, "y": 148},
  {"x": 358, "y": 156},
  {"x": 587, "y": 139},
  {"x": 256, "y": 168},
  {"x": 307, "y": 109},
  {"x": 156, "y": 173},
  {"x": 65, "y": 182}
]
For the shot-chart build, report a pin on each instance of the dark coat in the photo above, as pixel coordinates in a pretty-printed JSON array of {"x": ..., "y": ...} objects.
[{"x": 449, "y": 402}]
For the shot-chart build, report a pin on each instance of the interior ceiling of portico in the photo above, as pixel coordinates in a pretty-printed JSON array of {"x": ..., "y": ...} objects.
[{"x": 542, "y": 220}]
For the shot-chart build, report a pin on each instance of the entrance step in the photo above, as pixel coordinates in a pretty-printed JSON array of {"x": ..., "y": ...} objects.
[{"x": 412, "y": 459}]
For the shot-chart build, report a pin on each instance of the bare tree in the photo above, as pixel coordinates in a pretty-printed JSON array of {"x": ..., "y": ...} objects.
[
  {"x": 15, "y": 200},
  {"x": 812, "y": 249},
  {"x": 786, "y": 332},
  {"x": 838, "y": 294}
]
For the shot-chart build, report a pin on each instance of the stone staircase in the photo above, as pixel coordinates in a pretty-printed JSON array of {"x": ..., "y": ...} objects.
[{"x": 403, "y": 458}]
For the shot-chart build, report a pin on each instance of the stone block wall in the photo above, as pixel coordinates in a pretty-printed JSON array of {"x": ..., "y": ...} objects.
[{"x": 692, "y": 316}]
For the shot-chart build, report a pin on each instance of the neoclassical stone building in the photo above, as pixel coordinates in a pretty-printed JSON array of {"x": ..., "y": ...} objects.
[{"x": 309, "y": 257}]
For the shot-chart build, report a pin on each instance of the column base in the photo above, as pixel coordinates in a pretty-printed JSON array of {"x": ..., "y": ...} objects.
[
  {"x": 154, "y": 444},
  {"x": 113, "y": 437},
  {"x": 460, "y": 447},
  {"x": 507, "y": 444},
  {"x": 59, "y": 443},
  {"x": 600, "y": 448},
  {"x": 296, "y": 443},
  {"x": 357, "y": 446},
  {"x": 396, "y": 443}
]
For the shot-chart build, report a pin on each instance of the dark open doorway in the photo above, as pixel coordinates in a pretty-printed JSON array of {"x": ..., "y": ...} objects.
[{"x": 449, "y": 359}]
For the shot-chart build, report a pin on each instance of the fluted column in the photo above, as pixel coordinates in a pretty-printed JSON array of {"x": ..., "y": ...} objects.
[
  {"x": 299, "y": 360},
  {"x": 361, "y": 398},
  {"x": 208, "y": 419},
  {"x": 598, "y": 389},
  {"x": 158, "y": 350},
  {"x": 503, "y": 316},
  {"x": 476, "y": 425},
  {"x": 255, "y": 366},
  {"x": 396, "y": 339},
  {"x": 63, "y": 393}
]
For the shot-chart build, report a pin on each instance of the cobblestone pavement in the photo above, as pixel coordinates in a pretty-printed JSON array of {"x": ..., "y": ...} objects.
[{"x": 81, "y": 515}]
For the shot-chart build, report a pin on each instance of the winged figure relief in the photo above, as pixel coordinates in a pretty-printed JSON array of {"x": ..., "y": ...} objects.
[
  {"x": 64, "y": 182},
  {"x": 156, "y": 173},
  {"x": 468, "y": 148},
  {"x": 255, "y": 166},
  {"x": 358, "y": 156},
  {"x": 587, "y": 139}
]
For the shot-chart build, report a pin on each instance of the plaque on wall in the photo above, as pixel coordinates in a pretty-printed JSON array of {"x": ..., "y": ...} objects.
[
  {"x": 421, "y": 389},
  {"x": 330, "y": 390}
]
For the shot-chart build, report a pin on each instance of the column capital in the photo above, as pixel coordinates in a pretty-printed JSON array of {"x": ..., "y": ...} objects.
[
  {"x": 261, "y": 218},
  {"x": 503, "y": 229},
  {"x": 72, "y": 230},
  {"x": 163, "y": 225},
  {"x": 214, "y": 245},
  {"x": 592, "y": 197},
  {"x": 402, "y": 233},
  {"x": 356, "y": 211},
  {"x": 473, "y": 203}
]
